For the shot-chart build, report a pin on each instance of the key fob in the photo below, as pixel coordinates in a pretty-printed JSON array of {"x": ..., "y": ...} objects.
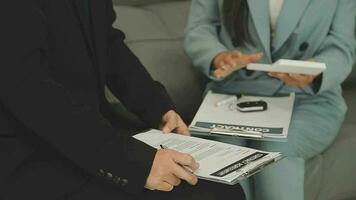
[{"x": 252, "y": 106}]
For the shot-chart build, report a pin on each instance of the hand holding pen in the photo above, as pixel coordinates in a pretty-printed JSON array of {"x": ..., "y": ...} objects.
[{"x": 168, "y": 170}]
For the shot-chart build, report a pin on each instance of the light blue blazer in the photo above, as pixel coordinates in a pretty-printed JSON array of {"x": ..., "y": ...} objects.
[{"x": 319, "y": 29}]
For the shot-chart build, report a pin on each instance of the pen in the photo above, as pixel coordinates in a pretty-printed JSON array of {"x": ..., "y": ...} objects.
[{"x": 228, "y": 100}]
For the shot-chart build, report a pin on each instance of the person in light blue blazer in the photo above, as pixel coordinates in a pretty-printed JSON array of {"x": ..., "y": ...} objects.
[{"x": 223, "y": 36}]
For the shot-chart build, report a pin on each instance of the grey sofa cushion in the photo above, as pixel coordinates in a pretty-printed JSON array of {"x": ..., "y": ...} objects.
[
  {"x": 152, "y": 28},
  {"x": 153, "y": 22},
  {"x": 181, "y": 83},
  {"x": 155, "y": 33},
  {"x": 339, "y": 166},
  {"x": 351, "y": 80},
  {"x": 350, "y": 97}
]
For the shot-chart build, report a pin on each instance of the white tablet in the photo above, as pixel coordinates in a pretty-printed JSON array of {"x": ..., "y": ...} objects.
[{"x": 290, "y": 66}]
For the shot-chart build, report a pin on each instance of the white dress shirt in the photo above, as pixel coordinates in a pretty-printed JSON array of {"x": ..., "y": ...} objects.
[{"x": 275, "y": 7}]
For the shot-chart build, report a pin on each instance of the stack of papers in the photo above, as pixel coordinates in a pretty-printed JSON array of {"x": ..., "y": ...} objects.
[
  {"x": 219, "y": 162},
  {"x": 227, "y": 120}
]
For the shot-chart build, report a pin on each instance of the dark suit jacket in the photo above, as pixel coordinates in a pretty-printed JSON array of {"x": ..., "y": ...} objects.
[{"x": 53, "y": 69}]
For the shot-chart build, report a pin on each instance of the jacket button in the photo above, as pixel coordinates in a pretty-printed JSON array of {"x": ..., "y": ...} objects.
[
  {"x": 109, "y": 176},
  {"x": 304, "y": 46},
  {"x": 124, "y": 182},
  {"x": 235, "y": 42},
  {"x": 116, "y": 180},
  {"x": 101, "y": 172}
]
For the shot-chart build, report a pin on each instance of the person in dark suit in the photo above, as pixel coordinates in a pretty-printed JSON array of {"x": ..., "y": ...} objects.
[{"x": 59, "y": 138}]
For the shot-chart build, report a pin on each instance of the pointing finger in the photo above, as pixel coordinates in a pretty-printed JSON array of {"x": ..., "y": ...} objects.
[{"x": 170, "y": 125}]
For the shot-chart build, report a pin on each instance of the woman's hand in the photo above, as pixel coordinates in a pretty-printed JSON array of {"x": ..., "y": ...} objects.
[
  {"x": 294, "y": 80},
  {"x": 227, "y": 62}
]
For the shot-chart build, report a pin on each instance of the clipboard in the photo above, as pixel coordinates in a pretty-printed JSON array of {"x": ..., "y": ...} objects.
[
  {"x": 258, "y": 168},
  {"x": 219, "y": 162},
  {"x": 223, "y": 121}
]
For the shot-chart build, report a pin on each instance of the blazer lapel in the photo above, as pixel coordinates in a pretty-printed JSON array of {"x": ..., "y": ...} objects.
[
  {"x": 288, "y": 20},
  {"x": 84, "y": 18},
  {"x": 100, "y": 28},
  {"x": 93, "y": 22},
  {"x": 260, "y": 16}
]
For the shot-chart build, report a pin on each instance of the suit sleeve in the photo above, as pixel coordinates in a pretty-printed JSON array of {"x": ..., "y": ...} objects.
[
  {"x": 338, "y": 50},
  {"x": 48, "y": 109},
  {"x": 202, "y": 42},
  {"x": 131, "y": 83}
]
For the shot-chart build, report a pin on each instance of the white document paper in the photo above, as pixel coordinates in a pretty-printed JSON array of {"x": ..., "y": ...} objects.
[
  {"x": 272, "y": 123},
  {"x": 218, "y": 161}
]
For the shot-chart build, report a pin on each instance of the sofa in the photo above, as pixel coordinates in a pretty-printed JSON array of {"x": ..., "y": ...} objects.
[{"x": 154, "y": 32}]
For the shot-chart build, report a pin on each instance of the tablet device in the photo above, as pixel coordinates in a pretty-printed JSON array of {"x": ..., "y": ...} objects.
[{"x": 290, "y": 66}]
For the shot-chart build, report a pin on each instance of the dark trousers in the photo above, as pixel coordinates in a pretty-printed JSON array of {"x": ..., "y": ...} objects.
[
  {"x": 205, "y": 190},
  {"x": 44, "y": 180}
]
